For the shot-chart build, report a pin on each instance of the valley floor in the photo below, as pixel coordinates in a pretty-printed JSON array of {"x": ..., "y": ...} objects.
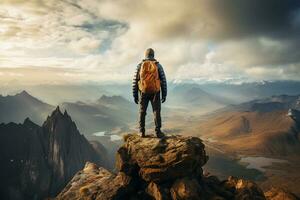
[{"x": 225, "y": 159}]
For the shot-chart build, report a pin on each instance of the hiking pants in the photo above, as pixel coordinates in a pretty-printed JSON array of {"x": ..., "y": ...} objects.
[{"x": 156, "y": 107}]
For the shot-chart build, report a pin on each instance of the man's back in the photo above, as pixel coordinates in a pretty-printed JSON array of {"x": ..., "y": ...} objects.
[{"x": 142, "y": 96}]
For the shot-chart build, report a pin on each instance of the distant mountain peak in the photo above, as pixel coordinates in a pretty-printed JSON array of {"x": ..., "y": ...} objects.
[
  {"x": 111, "y": 99},
  {"x": 27, "y": 120},
  {"x": 106, "y": 97},
  {"x": 24, "y": 93},
  {"x": 18, "y": 106},
  {"x": 28, "y": 123}
]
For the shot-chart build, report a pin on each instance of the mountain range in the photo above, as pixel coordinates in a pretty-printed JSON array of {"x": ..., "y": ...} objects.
[
  {"x": 193, "y": 97},
  {"x": 104, "y": 114},
  {"x": 260, "y": 126},
  {"x": 268, "y": 104},
  {"x": 248, "y": 91},
  {"x": 38, "y": 161},
  {"x": 208, "y": 97},
  {"x": 235, "y": 92},
  {"x": 101, "y": 115},
  {"x": 15, "y": 108}
]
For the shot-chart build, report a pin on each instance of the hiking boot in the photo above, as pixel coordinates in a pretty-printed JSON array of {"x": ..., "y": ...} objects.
[
  {"x": 143, "y": 134},
  {"x": 160, "y": 134}
]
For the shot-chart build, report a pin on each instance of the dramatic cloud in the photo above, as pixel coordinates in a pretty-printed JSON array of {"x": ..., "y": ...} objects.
[{"x": 103, "y": 40}]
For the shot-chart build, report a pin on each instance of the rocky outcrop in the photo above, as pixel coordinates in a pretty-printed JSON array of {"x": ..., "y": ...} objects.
[
  {"x": 244, "y": 189},
  {"x": 38, "y": 162},
  {"x": 95, "y": 182},
  {"x": 279, "y": 194},
  {"x": 161, "y": 160},
  {"x": 159, "y": 169}
]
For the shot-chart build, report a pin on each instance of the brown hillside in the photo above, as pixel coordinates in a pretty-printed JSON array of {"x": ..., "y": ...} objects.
[{"x": 268, "y": 132}]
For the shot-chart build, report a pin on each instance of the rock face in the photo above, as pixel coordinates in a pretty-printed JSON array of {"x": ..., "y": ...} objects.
[
  {"x": 94, "y": 182},
  {"x": 37, "y": 162},
  {"x": 161, "y": 160},
  {"x": 160, "y": 169}
]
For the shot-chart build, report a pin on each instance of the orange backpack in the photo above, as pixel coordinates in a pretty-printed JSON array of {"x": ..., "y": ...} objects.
[{"x": 149, "y": 78}]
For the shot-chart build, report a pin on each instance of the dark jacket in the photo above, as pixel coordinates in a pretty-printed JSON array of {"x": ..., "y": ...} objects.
[{"x": 162, "y": 77}]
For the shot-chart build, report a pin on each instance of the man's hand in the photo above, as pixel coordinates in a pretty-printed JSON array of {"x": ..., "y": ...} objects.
[
  {"x": 163, "y": 100},
  {"x": 136, "y": 100}
]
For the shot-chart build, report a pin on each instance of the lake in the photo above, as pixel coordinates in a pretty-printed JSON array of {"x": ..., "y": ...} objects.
[
  {"x": 113, "y": 137},
  {"x": 259, "y": 163}
]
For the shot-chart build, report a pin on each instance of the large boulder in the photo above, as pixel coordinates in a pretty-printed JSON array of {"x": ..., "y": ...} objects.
[
  {"x": 95, "y": 182},
  {"x": 158, "y": 192},
  {"x": 160, "y": 160},
  {"x": 186, "y": 189},
  {"x": 244, "y": 189}
]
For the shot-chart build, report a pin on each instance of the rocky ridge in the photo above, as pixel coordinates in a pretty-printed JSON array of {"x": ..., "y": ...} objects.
[
  {"x": 17, "y": 107},
  {"x": 38, "y": 161},
  {"x": 161, "y": 169}
]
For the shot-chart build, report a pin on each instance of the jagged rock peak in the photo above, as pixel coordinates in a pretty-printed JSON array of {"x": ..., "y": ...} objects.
[
  {"x": 57, "y": 113},
  {"x": 28, "y": 123},
  {"x": 57, "y": 117},
  {"x": 27, "y": 120},
  {"x": 43, "y": 159},
  {"x": 66, "y": 113}
]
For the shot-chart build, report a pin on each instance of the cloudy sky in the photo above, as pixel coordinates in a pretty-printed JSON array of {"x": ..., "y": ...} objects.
[{"x": 53, "y": 41}]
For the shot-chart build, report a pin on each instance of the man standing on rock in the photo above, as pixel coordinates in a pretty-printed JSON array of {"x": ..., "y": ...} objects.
[{"x": 148, "y": 82}]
